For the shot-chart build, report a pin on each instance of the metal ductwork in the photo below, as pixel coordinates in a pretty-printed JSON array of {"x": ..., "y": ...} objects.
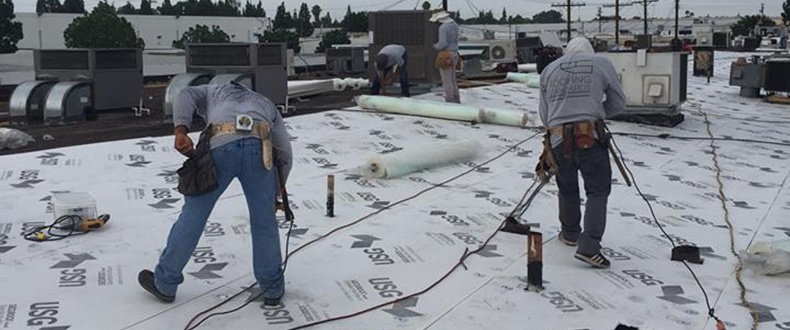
[
  {"x": 227, "y": 78},
  {"x": 28, "y": 100},
  {"x": 177, "y": 84},
  {"x": 68, "y": 101}
]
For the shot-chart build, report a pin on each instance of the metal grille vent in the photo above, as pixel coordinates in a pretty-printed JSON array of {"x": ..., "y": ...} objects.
[
  {"x": 400, "y": 28},
  {"x": 684, "y": 64},
  {"x": 776, "y": 73},
  {"x": 340, "y": 52},
  {"x": 528, "y": 42},
  {"x": 116, "y": 59},
  {"x": 230, "y": 55},
  {"x": 270, "y": 54},
  {"x": 720, "y": 39},
  {"x": 64, "y": 60}
]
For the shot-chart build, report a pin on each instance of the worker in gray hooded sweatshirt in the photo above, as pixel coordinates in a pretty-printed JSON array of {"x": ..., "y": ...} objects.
[{"x": 572, "y": 109}]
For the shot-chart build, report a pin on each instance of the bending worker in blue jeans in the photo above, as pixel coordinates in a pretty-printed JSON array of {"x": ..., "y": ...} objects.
[
  {"x": 246, "y": 153},
  {"x": 390, "y": 61},
  {"x": 572, "y": 89}
]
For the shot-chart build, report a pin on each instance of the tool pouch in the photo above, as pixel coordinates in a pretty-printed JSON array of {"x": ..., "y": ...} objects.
[
  {"x": 198, "y": 174},
  {"x": 444, "y": 60},
  {"x": 584, "y": 134},
  {"x": 547, "y": 165}
]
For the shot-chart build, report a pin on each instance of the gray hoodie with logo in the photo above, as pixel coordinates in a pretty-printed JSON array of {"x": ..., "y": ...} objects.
[{"x": 573, "y": 87}]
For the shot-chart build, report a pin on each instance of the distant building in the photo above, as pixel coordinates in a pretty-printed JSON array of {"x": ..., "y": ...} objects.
[{"x": 158, "y": 32}]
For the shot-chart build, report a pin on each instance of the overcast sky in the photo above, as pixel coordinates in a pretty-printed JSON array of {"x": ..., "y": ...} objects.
[{"x": 527, "y": 8}]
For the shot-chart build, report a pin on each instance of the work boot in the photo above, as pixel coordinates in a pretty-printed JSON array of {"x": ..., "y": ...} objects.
[
  {"x": 563, "y": 237},
  {"x": 597, "y": 261},
  {"x": 146, "y": 280},
  {"x": 272, "y": 301}
]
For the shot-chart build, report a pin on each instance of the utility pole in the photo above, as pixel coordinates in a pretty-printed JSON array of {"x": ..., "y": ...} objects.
[
  {"x": 444, "y": 5},
  {"x": 617, "y": 6},
  {"x": 599, "y": 19},
  {"x": 568, "y": 5},
  {"x": 762, "y": 9},
  {"x": 644, "y": 4}
]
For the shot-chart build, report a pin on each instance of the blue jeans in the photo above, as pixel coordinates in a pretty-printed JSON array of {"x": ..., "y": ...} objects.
[
  {"x": 404, "y": 78},
  {"x": 596, "y": 171},
  {"x": 238, "y": 159}
]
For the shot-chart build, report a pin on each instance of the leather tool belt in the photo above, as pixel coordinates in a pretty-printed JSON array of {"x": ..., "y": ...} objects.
[
  {"x": 259, "y": 129},
  {"x": 581, "y": 133},
  {"x": 444, "y": 60}
]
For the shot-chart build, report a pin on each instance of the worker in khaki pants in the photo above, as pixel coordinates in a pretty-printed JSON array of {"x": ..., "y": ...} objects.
[{"x": 447, "y": 60}]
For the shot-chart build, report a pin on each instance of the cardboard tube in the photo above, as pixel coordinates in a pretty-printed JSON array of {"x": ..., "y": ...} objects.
[{"x": 534, "y": 262}]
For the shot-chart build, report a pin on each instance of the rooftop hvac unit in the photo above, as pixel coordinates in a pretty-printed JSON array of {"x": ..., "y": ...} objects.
[
  {"x": 654, "y": 85},
  {"x": 704, "y": 38},
  {"x": 115, "y": 76},
  {"x": 526, "y": 48},
  {"x": 345, "y": 60},
  {"x": 721, "y": 39},
  {"x": 644, "y": 41},
  {"x": 776, "y": 72},
  {"x": 412, "y": 30},
  {"x": 266, "y": 64},
  {"x": 748, "y": 75},
  {"x": 751, "y": 43}
]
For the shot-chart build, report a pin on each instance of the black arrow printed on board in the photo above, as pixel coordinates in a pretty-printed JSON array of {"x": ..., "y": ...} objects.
[
  {"x": 207, "y": 271},
  {"x": 401, "y": 308},
  {"x": 74, "y": 260},
  {"x": 164, "y": 203}
]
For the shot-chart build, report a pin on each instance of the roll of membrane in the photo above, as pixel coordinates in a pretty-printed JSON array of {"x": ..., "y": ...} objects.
[
  {"x": 529, "y": 67},
  {"x": 339, "y": 85},
  {"x": 531, "y": 79},
  {"x": 505, "y": 117},
  {"x": 443, "y": 110},
  {"x": 410, "y": 106},
  {"x": 421, "y": 158}
]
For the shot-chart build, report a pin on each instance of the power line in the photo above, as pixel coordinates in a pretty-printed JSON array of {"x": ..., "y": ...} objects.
[
  {"x": 568, "y": 5},
  {"x": 617, "y": 6}
]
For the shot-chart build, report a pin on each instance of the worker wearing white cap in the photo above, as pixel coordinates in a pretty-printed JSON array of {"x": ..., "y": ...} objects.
[{"x": 447, "y": 59}]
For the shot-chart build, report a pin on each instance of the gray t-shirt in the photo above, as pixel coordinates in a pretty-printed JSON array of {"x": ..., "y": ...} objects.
[
  {"x": 573, "y": 87},
  {"x": 221, "y": 103},
  {"x": 448, "y": 37},
  {"x": 394, "y": 56}
]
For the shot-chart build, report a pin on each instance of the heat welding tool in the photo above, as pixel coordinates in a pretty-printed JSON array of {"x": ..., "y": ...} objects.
[{"x": 66, "y": 226}]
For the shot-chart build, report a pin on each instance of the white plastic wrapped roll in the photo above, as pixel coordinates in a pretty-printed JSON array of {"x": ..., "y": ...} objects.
[
  {"x": 410, "y": 106},
  {"x": 339, "y": 85},
  {"x": 505, "y": 117},
  {"x": 531, "y": 79},
  {"x": 443, "y": 110},
  {"x": 420, "y": 158},
  {"x": 529, "y": 67},
  {"x": 356, "y": 83}
]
